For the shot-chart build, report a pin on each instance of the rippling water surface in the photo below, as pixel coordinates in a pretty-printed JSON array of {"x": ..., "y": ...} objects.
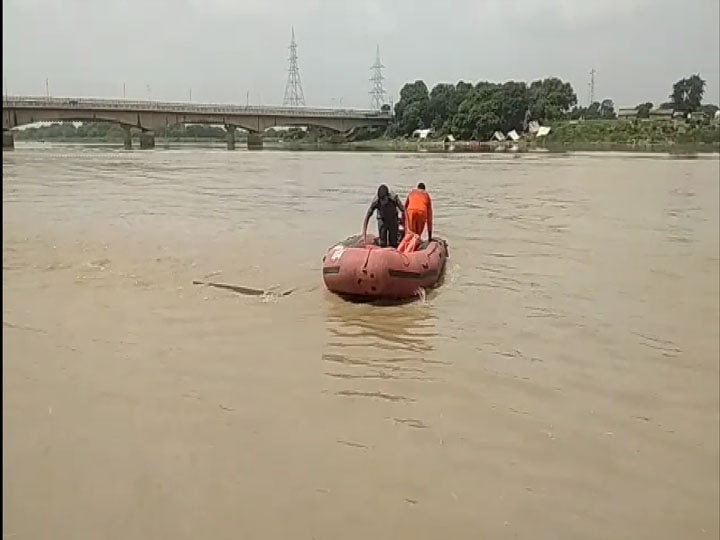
[{"x": 563, "y": 383}]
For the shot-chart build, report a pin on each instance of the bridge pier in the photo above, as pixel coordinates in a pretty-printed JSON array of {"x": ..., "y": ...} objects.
[
  {"x": 127, "y": 138},
  {"x": 8, "y": 139},
  {"x": 254, "y": 141},
  {"x": 147, "y": 140},
  {"x": 230, "y": 137}
]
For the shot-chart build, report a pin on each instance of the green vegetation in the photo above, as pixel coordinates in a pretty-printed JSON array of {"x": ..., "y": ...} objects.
[
  {"x": 687, "y": 94},
  {"x": 110, "y": 132},
  {"x": 100, "y": 131},
  {"x": 638, "y": 134},
  {"x": 476, "y": 112}
]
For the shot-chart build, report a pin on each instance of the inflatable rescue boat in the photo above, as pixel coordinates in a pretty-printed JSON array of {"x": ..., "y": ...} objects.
[{"x": 358, "y": 269}]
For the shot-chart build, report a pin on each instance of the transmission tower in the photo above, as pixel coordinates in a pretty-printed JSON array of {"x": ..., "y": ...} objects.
[
  {"x": 377, "y": 93},
  {"x": 591, "y": 86},
  {"x": 294, "y": 96}
]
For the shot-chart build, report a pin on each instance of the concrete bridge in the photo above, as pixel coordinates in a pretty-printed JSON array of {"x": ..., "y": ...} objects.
[{"x": 150, "y": 116}]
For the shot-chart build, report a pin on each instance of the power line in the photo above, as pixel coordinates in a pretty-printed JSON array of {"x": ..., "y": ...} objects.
[
  {"x": 294, "y": 96},
  {"x": 377, "y": 92}
]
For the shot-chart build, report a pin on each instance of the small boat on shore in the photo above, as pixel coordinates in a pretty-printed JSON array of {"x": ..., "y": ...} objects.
[{"x": 363, "y": 270}]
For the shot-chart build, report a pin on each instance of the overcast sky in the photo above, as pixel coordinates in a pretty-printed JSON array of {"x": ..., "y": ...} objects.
[{"x": 223, "y": 49}]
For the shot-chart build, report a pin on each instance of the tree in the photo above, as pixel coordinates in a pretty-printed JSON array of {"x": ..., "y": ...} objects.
[
  {"x": 687, "y": 93},
  {"x": 598, "y": 110},
  {"x": 411, "y": 118},
  {"x": 643, "y": 110},
  {"x": 476, "y": 111},
  {"x": 462, "y": 89},
  {"x": 577, "y": 112},
  {"x": 490, "y": 107},
  {"x": 514, "y": 100},
  {"x": 593, "y": 111},
  {"x": 607, "y": 109},
  {"x": 551, "y": 98},
  {"x": 411, "y": 111},
  {"x": 478, "y": 115},
  {"x": 441, "y": 105}
]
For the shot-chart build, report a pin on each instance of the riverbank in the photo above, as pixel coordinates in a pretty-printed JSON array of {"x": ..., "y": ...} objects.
[
  {"x": 568, "y": 136},
  {"x": 522, "y": 146},
  {"x": 408, "y": 147},
  {"x": 643, "y": 134},
  {"x": 590, "y": 135}
]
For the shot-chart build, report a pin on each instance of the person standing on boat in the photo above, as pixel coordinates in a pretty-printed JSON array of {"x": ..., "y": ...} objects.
[
  {"x": 418, "y": 212},
  {"x": 387, "y": 205}
]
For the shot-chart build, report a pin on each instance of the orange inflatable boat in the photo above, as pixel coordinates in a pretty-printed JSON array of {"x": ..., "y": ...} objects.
[{"x": 358, "y": 269}]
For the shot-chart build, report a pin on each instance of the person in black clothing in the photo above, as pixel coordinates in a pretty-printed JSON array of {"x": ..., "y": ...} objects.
[{"x": 387, "y": 204}]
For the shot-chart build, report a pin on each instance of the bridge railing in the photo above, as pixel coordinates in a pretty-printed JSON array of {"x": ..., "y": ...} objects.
[{"x": 21, "y": 102}]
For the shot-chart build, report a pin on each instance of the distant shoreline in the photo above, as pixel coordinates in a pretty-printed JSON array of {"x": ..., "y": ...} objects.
[
  {"x": 645, "y": 136},
  {"x": 407, "y": 146}
]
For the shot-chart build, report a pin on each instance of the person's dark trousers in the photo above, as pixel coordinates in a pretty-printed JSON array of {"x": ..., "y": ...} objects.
[{"x": 388, "y": 234}]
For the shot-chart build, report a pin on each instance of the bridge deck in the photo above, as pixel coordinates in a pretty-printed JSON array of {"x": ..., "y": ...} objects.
[{"x": 92, "y": 104}]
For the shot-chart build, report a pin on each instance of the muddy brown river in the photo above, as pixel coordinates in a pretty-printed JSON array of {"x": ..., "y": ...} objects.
[{"x": 561, "y": 384}]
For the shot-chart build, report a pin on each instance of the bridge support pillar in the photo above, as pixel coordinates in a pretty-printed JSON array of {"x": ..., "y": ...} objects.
[
  {"x": 254, "y": 141},
  {"x": 147, "y": 140},
  {"x": 127, "y": 138},
  {"x": 230, "y": 137},
  {"x": 8, "y": 139}
]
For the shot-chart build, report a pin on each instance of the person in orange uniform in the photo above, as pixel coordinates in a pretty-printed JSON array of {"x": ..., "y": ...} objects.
[
  {"x": 418, "y": 214},
  {"x": 418, "y": 211}
]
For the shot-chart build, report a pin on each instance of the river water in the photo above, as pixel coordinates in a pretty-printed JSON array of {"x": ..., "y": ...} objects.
[{"x": 562, "y": 384}]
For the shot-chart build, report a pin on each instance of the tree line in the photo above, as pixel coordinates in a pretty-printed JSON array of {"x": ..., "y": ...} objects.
[
  {"x": 476, "y": 111},
  {"x": 109, "y": 131}
]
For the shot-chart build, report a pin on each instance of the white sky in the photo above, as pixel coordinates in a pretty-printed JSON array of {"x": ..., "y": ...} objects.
[{"x": 222, "y": 49}]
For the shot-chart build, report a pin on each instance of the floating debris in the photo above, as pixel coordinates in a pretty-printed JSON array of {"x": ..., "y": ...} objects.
[{"x": 240, "y": 289}]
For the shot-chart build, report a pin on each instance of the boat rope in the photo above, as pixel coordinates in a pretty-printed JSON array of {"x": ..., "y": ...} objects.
[{"x": 367, "y": 259}]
